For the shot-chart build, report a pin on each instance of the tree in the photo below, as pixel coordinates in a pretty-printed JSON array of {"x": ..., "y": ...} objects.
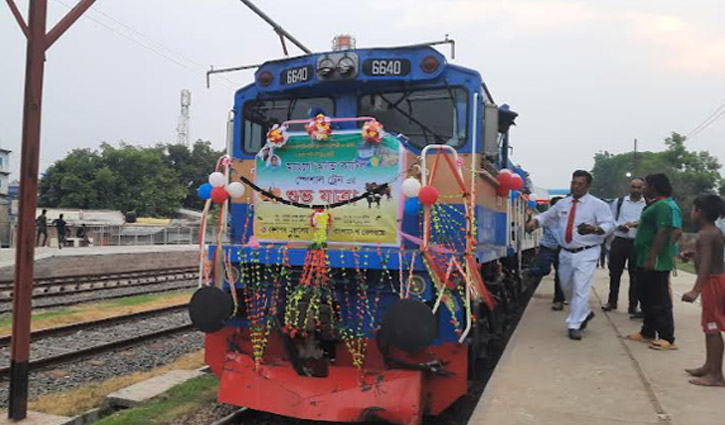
[
  {"x": 692, "y": 173},
  {"x": 193, "y": 166},
  {"x": 127, "y": 178}
]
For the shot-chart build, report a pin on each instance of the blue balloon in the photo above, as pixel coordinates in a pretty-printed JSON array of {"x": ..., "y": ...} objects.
[
  {"x": 204, "y": 191},
  {"x": 412, "y": 206},
  {"x": 532, "y": 205},
  {"x": 514, "y": 194}
]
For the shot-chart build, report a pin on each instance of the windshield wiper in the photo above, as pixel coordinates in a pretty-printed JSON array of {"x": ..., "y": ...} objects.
[{"x": 422, "y": 126}]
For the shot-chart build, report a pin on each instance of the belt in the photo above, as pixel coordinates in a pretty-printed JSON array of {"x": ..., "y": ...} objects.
[
  {"x": 575, "y": 250},
  {"x": 624, "y": 239}
]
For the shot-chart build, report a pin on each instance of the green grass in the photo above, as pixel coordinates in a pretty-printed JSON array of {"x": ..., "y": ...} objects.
[
  {"x": 165, "y": 409},
  {"x": 139, "y": 299},
  {"x": 8, "y": 320},
  {"x": 120, "y": 302},
  {"x": 686, "y": 267}
]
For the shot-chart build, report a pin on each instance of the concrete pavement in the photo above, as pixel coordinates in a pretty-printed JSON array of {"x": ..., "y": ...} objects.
[{"x": 545, "y": 378}]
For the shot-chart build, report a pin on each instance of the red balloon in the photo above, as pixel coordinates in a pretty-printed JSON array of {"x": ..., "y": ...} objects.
[
  {"x": 516, "y": 182},
  {"x": 219, "y": 194},
  {"x": 505, "y": 178},
  {"x": 502, "y": 191},
  {"x": 428, "y": 195}
]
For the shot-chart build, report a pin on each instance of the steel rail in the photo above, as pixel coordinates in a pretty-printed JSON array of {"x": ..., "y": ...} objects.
[
  {"x": 118, "y": 283},
  {"x": 231, "y": 418},
  {"x": 59, "y": 330},
  {"x": 85, "y": 352},
  {"x": 54, "y": 280}
]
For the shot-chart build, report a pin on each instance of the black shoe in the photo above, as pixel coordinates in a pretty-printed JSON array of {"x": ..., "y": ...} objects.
[
  {"x": 557, "y": 306},
  {"x": 609, "y": 307},
  {"x": 584, "y": 324},
  {"x": 637, "y": 315},
  {"x": 575, "y": 334},
  {"x": 633, "y": 310}
]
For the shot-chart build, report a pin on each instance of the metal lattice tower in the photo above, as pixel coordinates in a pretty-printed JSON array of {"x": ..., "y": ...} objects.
[{"x": 182, "y": 130}]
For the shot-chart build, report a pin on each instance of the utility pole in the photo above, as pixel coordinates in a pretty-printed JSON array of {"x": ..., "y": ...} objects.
[
  {"x": 38, "y": 42},
  {"x": 634, "y": 167},
  {"x": 182, "y": 130}
]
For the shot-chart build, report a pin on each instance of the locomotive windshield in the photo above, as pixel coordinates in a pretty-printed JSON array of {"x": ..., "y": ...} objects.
[
  {"x": 260, "y": 115},
  {"x": 424, "y": 116}
]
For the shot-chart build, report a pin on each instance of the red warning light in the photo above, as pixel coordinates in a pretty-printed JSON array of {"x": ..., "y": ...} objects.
[
  {"x": 265, "y": 78},
  {"x": 429, "y": 64}
]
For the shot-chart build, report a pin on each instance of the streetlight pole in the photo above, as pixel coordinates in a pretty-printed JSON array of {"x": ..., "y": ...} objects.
[
  {"x": 38, "y": 43},
  {"x": 634, "y": 168}
]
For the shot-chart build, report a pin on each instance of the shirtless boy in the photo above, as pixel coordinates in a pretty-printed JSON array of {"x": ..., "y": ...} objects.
[{"x": 711, "y": 284}]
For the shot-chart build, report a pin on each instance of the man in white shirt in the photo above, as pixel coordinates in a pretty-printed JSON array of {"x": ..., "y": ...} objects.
[
  {"x": 626, "y": 213},
  {"x": 584, "y": 222}
]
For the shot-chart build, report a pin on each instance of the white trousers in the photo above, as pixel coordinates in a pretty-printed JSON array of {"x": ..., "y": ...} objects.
[{"x": 576, "y": 273}]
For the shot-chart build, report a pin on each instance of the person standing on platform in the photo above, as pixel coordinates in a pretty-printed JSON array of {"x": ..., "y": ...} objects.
[
  {"x": 42, "y": 224},
  {"x": 60, "y": 227},
  {"x": 627, "y": 211},
  {"x": 547, "y": 256},
  {"x": 584, "y": 222},
  {"x": 653, "y": 249},
  {"x": 711, "y": 284}
]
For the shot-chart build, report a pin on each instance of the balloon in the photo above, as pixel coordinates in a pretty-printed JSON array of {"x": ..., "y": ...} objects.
[
  {"x": 514, "y": 195},
  {"x": 411, "y": 206},
  {"x": 516, "y": 182},
  {"x": 502, "y": 191},
  {"x": 219, "y": 195},
  {"x": 235, "y": 189},
  {"x": 217, "y": 179},
  {"x": 521, "y": 173},
  {"x": 505, "y": 178},
  {"x": 533, "y": 197},
  {"x": 204, "y": 191},
  {"x": 532, "y": 204},
  {"x": 411, "y": 187},
  {"x": 428, "y": 195}
]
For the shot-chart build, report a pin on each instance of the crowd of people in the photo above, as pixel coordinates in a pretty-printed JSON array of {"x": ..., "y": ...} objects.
[{"x": 641, "y": 231}]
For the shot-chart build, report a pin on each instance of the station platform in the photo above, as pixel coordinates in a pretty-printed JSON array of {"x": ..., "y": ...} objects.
[
  {"x": 51, "y": 261},
  {"x": 545, "y": 378}
]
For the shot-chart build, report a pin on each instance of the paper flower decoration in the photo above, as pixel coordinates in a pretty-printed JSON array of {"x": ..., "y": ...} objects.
[
  {"x": 319, "y": 128},
  {"x": 277, "y": 136},
  {"x": 372, "y": 131}
]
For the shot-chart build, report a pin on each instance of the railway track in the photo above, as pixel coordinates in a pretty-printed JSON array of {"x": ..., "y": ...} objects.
[
  {"x": 76, "y": 330},
  {"x": 65, "y": 291},
  {"x": 70, "y": 284}
]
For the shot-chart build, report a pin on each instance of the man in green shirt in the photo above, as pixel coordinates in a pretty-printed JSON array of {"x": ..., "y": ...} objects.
[{"x": 654, "y": 247}]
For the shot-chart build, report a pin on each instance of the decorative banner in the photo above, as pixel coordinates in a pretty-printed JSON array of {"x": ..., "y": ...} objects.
[{"x": 335, "y": 170}]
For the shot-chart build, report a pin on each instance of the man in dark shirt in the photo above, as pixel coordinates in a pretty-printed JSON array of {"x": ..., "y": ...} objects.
[
  {"x": 42, "y": 224},
  {"x": 60, "y": 227}
]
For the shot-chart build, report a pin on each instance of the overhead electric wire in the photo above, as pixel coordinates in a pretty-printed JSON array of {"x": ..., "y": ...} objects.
[
  {"x": 155, "y": 47},
  {"x": 718, "y": 113}
]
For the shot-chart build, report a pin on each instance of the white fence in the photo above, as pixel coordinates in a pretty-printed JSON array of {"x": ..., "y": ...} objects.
[{"x": 114, "y": 235}]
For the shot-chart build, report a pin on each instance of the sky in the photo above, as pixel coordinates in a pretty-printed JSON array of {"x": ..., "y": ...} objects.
[{"x": 585, "y": 76}]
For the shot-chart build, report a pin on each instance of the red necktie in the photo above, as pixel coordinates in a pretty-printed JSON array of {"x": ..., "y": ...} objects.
[{"x": 569, "y": 234}]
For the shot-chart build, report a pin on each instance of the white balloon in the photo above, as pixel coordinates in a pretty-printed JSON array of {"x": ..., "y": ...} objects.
[
  {"x": 217, "y": 179},
  {"x": 532, "y": 197},
  {"x": 235, "y": 189},
  {"x": 411, "y": 187}
]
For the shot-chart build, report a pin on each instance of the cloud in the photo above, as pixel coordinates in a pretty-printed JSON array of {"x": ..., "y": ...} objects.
[
  {"x": 687, "y": 47},
  {"x": 517, "y": 15}
]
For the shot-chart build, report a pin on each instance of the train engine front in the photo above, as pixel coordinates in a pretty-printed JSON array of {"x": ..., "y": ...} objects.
[{"x": 351, "y": 285}]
